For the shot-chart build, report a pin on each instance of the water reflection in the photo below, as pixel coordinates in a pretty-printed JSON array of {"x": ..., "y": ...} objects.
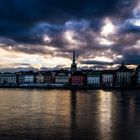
[
  {"x": 73, "y": 103},
  {"x": 69, "y": 115},
  {"x": 105, "y": 120},
  {"x": 73, "y": 113}
]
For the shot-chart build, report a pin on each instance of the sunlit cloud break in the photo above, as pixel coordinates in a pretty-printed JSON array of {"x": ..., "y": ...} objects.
[{"x": 45, "y": 34}]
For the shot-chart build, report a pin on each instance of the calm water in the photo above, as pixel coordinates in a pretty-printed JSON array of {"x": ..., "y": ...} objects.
[{"x": 69, "y": 115}]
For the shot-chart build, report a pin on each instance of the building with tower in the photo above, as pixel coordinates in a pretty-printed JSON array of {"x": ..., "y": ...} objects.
[
  {"x": 73, "y": 65},
  {"x": 123, "y": 76},
  {"x": 78, "y": 79}
]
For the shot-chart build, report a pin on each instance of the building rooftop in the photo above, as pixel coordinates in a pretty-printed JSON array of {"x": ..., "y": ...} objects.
[{"x": 123, "y": 67}]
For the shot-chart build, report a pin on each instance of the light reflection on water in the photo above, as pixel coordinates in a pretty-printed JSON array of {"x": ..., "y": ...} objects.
[{"x": 69, "y": 115}]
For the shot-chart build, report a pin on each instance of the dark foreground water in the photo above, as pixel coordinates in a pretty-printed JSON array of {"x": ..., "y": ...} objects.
[{"x": 69, "y": 115}]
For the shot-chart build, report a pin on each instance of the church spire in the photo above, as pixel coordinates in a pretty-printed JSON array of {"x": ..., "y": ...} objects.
[
  {"x": 122, "y": 63},
  {"x": 74, "y": 56},
  {"x": 73, "y": 65}
]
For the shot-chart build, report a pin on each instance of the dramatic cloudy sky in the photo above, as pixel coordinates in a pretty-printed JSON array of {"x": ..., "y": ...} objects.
[{"x": 42, "y": 33}]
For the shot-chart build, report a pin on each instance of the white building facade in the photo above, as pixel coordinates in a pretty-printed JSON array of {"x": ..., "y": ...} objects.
[
  {"x": 93, "y": 80},
  {"x": 29, "y": 79},
  {"x": 107, "y": 79},
  {"x": 26, "y": 77},
  {"x": 61, "y": 78},
  {"x": 8, "y": 79},
  {"x": 123, "y": 76}
]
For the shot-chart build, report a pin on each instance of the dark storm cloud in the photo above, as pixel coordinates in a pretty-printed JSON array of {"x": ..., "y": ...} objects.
[
  {"x": 34, "y": 26},
  {"x": 89, "y": 62},
  {"x": 22, "y": 64},
  {"x": 133, "y": 58},
  {"x": 18, "y": 16},
  {"x": 18, "y": 69}
]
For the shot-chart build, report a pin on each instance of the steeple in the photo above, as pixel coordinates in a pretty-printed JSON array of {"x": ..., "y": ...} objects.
[
  {"x": 122, "y": 63},
  {"x": 123, "y": 67},
  {"x": 73, "y": 65},
  {"x": 74, "y": 56}
]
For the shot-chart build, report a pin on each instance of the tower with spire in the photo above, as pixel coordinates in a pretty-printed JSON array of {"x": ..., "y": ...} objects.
[
  {"x": 123, "y": 67},
  {"x": 73, "y": 65}
]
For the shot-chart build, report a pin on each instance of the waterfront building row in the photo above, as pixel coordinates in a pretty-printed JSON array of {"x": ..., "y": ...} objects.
[{"x": 122, "y": 77}]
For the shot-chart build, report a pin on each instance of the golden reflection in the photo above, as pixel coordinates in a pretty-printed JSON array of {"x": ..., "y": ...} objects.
[
  {"x": 55, "y": 107},
  {"x": 38, "y": 107},
  {"x": 105, "y": 113}
]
